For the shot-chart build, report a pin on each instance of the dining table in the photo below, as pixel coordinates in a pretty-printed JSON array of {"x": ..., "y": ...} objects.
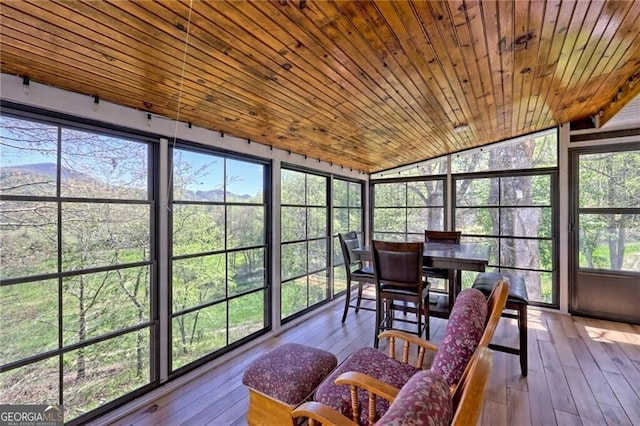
[{"x": 453, "y": 257}]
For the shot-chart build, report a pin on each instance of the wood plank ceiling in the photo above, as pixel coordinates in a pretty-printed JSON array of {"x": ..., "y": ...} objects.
[{"x": 368, "y": 85}]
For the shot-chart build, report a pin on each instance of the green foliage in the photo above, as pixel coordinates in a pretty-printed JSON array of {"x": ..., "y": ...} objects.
[
  {"x": 245, "y": 226},
  {"x": 390, "y": 219},
  {"x": 246, "y": 315},
  {"x": 111, "y": 368},
  {"x": 197, "y": 228},
  {"x": 197, "y": 280},
  {"x": 292, "y": 188},
  {"x": 608, "y": 181},
  {"x": 293, "y": 260},
  {"x": 339, "y": 279},
  {"x": 28, "y": 241},
  {"x": 29, "y": 318},
  {"x": 293, "y": 296},
  {"x": 198, "y": 333},
  {"x": 390, "y": 195},
  {"x": 316, "y": 222}
]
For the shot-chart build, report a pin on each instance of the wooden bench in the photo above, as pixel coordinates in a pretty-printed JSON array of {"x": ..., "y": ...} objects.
[{"x": 517, "y": 301}]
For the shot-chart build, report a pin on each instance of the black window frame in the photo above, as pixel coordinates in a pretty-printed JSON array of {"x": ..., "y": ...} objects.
[
  {"x": 64, "y": 121},
  {"x": 266, "y": 289}
]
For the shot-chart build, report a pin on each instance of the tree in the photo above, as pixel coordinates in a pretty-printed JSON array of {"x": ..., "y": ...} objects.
[
  {"x": 608, "y": 181},
  {"x": 519, "y": 252}
]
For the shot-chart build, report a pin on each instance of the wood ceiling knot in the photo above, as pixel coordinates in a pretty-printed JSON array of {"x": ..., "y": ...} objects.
[
  {"x": 519, "y": 42},
  {"x": 524, "y": 38}
]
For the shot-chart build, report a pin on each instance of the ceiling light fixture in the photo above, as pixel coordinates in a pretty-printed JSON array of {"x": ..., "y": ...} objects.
[{"x": 461, "y": 128}]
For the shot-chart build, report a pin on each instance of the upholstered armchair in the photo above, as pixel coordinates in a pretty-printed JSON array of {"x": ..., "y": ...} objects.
[
  {"x": 369, "y": 369},
  {"x": 424, "y": 399},
  {"x": 364, "y": 385}
]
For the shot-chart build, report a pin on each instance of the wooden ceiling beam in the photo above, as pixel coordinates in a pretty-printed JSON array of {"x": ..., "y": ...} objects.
[{"x": 625, "y": 94}]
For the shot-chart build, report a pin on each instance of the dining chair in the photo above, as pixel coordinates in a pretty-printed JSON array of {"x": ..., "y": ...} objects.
[
  {"x": 397, "y": 268},
  {"x": 355, "y": 271},
  {"x": 441, "y": 301}
]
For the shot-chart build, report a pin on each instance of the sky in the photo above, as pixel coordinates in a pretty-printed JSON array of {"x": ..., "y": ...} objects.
[{"x": 245, "y": 177}]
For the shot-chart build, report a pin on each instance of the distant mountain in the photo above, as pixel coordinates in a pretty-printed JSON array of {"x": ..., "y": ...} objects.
[
  {"x": 46, "y": 169},
  {"x": 218, "y": 195}
]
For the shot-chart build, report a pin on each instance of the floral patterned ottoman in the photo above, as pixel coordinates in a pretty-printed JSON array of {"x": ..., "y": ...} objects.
[{"x": 282, "y": 379}]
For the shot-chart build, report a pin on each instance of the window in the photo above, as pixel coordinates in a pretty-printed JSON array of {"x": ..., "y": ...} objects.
[
  {"x": 503, "y": 197},
  {"x": 432, "y": 167},
  {"x": 609, "y": 211},
  {"x": 347, "y": 216},
  {"x": 77, "y": 244},
  {"x": 537, "y": 150},
  {"x": 219, "y": 281},
  {"x": 512, "y": 208},
  {"x": 304, "y": 241},
  {"x": 403, "y": 210},
  {"x": 82, "y": 281}
]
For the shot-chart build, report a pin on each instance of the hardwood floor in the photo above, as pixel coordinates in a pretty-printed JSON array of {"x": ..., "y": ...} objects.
[{"x": 581, "y": 371}]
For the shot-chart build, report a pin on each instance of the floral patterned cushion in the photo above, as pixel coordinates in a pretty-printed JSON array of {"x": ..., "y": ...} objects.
[
  {"x": 368, "y": 361},
  {"x": 290, "y": 372},
  {"x": 462, "y": 335},
  {"x": 424, "y": 400}
]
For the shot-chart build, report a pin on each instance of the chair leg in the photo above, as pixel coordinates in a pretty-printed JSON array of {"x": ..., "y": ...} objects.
[
  {"x": 427, "y": 328},
  {"x": 388, "y": 314},
  {"x": 346, "y": 301},
  {"x": 522, "y": 325},
  {"x": 359, "y": 296},
  {"x": 378, "y": 320}
]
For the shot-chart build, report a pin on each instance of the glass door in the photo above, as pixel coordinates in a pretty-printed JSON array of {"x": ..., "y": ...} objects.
[{"x": 605, "y": 278}]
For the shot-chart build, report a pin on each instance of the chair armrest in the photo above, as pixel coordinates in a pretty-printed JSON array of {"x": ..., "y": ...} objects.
[
  {"x": 375, "y": 388},
  {"x": 368, "y": 383},
  {"x": 321, "y": 413},
  {"x": 424, "y": 345}
]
